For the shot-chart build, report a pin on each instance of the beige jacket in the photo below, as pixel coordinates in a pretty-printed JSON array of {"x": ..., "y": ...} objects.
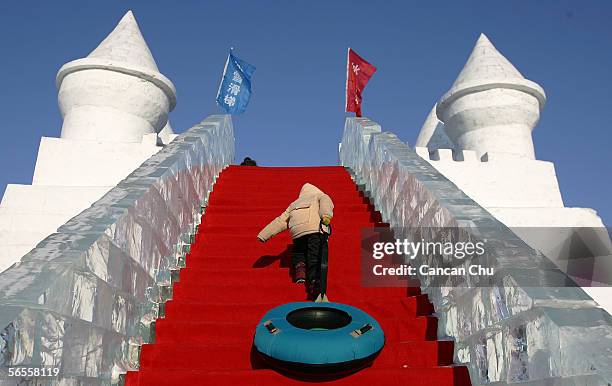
[{"x": 303, "y": 216}]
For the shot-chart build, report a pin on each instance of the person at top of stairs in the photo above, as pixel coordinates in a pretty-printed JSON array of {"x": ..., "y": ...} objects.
[
  {"x": 306, "y": 218},
  {"x": 248, "y": 162}
]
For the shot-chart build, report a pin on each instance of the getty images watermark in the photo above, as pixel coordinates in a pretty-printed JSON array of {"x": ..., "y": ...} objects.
[
  {"x": 448, "y": 257},
  {"x": 411, "y": 250}
]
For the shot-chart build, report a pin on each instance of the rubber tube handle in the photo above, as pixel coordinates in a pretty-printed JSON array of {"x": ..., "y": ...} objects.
[{"x": 272, "y": 329}]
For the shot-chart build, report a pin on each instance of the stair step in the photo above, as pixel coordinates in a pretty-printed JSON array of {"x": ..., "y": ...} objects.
[
  {"x": 217, "y": 198},
  {"x": 264, "y": 218},
  {"x": 181, "y": 309},
  {"x": 238, "y": 229},
  {"x": 239, "y": 240},
  {"x": 280, "y": 204},
  {"x": 196, "y": 354},
  {"x": 281, "y": 293},
  {"x": 292, "y": 186},
  {"x": 231, "y": 275},
  {"x": 432, "y": 376},
  {"x": 261, "y": 208},
  {"x": 241, "y": 327}
]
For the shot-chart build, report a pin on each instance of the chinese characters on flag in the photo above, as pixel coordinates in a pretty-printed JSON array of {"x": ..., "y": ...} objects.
[
  {"x": 358, "y": 73},
  {"x": 235, "y": 88}
]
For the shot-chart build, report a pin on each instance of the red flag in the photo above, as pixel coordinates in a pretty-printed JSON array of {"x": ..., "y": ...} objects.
[{"x": 358, "y": 73}]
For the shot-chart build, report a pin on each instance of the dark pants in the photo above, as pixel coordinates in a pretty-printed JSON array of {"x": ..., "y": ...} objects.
[{"x": 309, "y": 249}]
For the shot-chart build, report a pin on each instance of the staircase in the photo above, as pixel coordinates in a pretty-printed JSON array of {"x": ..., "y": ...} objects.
[{"x": 232, "y": 279}]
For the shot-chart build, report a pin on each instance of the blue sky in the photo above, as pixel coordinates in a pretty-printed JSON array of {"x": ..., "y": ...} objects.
[{"x": 296, "y": 115}]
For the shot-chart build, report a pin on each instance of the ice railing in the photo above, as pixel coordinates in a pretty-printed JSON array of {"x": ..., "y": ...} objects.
[
  {"x": 518, "y": 329},
  {"x": 86, "y": 297}
]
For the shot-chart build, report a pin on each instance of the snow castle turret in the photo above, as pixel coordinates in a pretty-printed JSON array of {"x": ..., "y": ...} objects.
[
  {"x": 479, "y": 136},
  {"x": 116, "y": 93},
  {"x": 491, "y": 107},
  {"x": 115, "y": 105}
]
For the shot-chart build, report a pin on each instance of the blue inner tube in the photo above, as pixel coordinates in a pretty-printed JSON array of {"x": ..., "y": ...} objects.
[{"x": 318, "y": 338}]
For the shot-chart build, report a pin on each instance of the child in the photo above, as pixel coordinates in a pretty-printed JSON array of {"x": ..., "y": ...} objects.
[{"x": 306, "y": 218}]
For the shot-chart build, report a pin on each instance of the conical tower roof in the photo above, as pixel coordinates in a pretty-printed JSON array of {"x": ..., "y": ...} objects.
[
  {"x": 124, "y": 50},
  {"x": 432, "y": 133},
  {"x": 126, "y": 44},
  {"x": 166, "y": 133},
  {"x": 487, "y": 68},
  {"x": 486, "y": 63}
]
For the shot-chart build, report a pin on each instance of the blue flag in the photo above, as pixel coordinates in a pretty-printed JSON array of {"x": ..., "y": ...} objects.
[{"x": 235, "y": 88}]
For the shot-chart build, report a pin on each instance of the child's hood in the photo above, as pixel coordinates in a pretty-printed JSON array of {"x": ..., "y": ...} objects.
[
  {"x": 306, "y": 196},
  {"x": 309, "y": 190}
]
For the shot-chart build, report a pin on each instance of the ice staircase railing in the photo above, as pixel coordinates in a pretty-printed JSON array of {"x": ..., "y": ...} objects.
[
  {"x": 520, "y": 328},
  {"x": 86, "y": 298}
]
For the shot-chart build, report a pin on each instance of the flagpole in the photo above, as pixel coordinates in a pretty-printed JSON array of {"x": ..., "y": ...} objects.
[
  {"x": 223, "y": 75},
  {"x": 217, "y": 109},
  {"x": 348, "y": 51}
]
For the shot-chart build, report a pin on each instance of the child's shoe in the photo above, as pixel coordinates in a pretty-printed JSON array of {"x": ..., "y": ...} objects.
[
  {"x": 299, "y": 273},
  {"x": 314, "y": 289}
]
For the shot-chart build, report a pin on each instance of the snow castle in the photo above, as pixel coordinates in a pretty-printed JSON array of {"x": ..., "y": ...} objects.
[{"x": 89, "y": 251}]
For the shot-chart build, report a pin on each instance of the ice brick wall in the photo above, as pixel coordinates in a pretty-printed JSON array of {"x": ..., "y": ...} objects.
[
  {"x": 84, "y": 299},
  {"x": 522, "y": 327}
]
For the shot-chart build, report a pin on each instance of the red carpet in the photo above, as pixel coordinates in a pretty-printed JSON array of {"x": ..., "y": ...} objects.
[{"x": 231, "y": 280}]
